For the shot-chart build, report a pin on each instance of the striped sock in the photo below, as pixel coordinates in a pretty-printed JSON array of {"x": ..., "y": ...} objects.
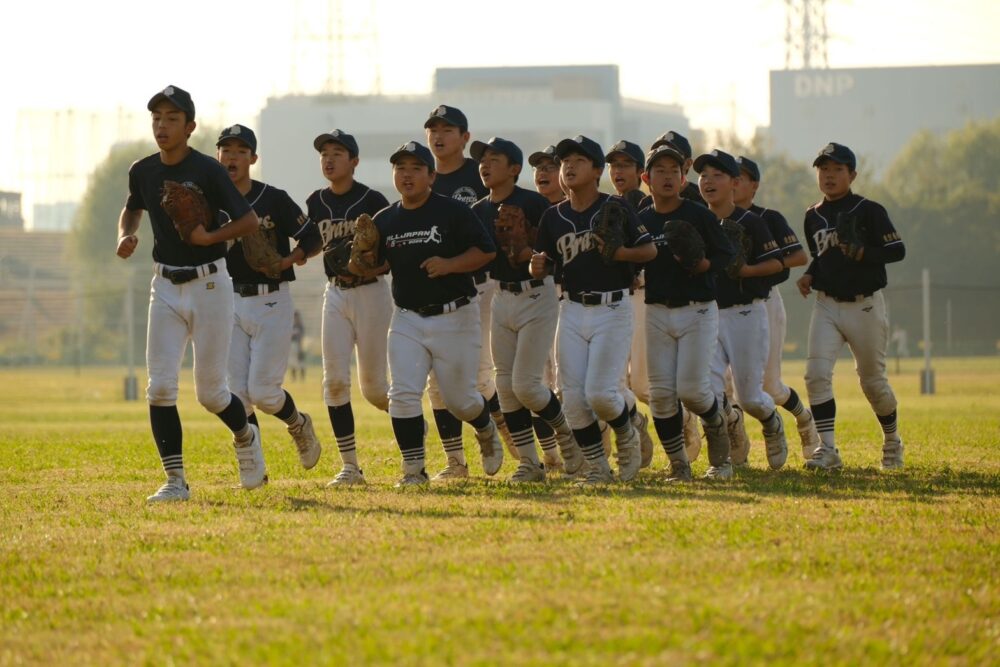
[
  {"x": 288, "y": 413},
  {"x": 168, "y": 436},
  {"x": 670, "y": 430},
  {"x": 825, "y": 414},
  {"x": 589, "y": 439},
  {"x": 342, "y": 421},
  {"x": 889, "y": 426},
  {"x": 622, "y": 424},
  {"x": 409, "y": 432},
  {"x": 450, "y": 431},
  {"x": 522, "y": 433},
  {"x": 795, "y": 406},
  {"x": 546, "y": 435}
]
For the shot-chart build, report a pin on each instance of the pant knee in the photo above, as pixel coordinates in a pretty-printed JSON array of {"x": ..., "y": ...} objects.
[
  {"x": 376, "y": 394},
  {"x": 214, "y": 400},
  {"x": 268, "y": 399},
  {"x": 161, "y": 392},
  {"x": 532, "y": 395},
  {"x": 606, "y": 404},
  {"x": 879, "y": 395},
  {"x": 575, "y": 407},
  {"x": 336, "y": 392},
  {"x": 758, "y": 408},
  {"x": 777, "y": 390},
  {"x": 819, "y": 380},
  {"x": 697, "y": 400}
]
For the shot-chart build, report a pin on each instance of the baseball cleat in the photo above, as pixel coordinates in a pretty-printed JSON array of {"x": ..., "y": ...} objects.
[
  {"x": 692, "y": 439},
  {"x": 528, "y": 472},
  {"x": 725, "y": 471},
  {"x": 739, "y": 443},
  {"x": 680, "y": 471},
  {"x": 491, "y": 448},
  {"x": 350, "y": 475},
  {"x": 892, "y": 454},
  {"x": 825, "y": 458},
  {"x": 776, "y": 445},
  {"x": 598, "y": 473},
  {"x": 809, "y": 437},
  {"x": 250, "y": 457},
  {"x": 552, "y": 462},
  {"x": 629, "y": 456},
  {"x": 569, "y": 449},
  {"x": 175, "y": 490},
  {"x": 306, "y": 442},
  {"x": 640, "y": 423},
  {"x": 454, "y": 470},
  {"x": 413, "y": 479},
  {"x": 718, "y": 439}
]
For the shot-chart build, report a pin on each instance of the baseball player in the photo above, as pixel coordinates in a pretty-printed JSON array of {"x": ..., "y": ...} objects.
[
  {"x": 191, "y": 292},
  {"x": 792, "y": 255},
  {"x": 432, "y": 245},
  {"x": 356, "y": 310},
  {"x": 682, "y": 317},
  {"x": 626, "y": 164},
  {"x": 595, "y": 323},
  {"x": 680, "y": 143},
  {"x": 743, "y": 337},
  {"x": 525, "y": 312},
  {"x": 851, "y": 239},
  {"x": 263, "y": 309},
  {"x": 545, "y": 168}
]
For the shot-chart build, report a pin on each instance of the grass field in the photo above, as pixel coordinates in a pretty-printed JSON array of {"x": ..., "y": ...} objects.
[{"x": 774, "y": 567}]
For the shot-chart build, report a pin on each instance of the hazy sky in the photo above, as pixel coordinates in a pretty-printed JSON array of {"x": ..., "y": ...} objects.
[{"x": 239, "y": 53}]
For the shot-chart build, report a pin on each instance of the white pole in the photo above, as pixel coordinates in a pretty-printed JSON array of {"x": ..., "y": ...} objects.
[
  {"x": 130, "y": 381},
  {"x": 927, "y": 376},
  {"x": 947, "y": 319}
]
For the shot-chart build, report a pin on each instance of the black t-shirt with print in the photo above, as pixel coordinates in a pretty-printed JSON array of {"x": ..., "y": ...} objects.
[{"x": 463, "y": 184}]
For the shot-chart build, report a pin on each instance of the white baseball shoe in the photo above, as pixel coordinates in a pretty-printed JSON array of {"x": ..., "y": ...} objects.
[
  {"x": 680, "y": 471},
  {"x": 306, "y": 442},
  {"x": 692, "y": 439},
  {"x": 552, "y": 462},
  {"x": 739, "y": 443},
  {"x": 349, "y": 475},
  {"x": 598, "y": 474},
  {"x": 413, "y": 479},
  {"x": 250, "y": 457},
  {"x": 569, "y": 450},
  {"x": 723, "y": 472},
  {"x": 528, "y": 472},
  {"x": 629, "y": 456},
  {"x": 809, "y": 437},
  {"x": 825, "y": 458},
  {"x": 491, "y": 448},
  {"x": 641, "y": 424},
  {"x": 175, "y": 490},
  {"x": 892, "y": 454},
  {"x": 454, "y": 470},
  {"x": 775, "y": 444}
]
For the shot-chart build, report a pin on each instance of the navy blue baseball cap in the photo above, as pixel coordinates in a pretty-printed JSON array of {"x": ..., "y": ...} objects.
[
  {"x": 583, "y": 145},
  {"x": 838, "y": 153},
  {"x": 629, "y": 150},
  {"x": 720, "y": 160},
  {"x": 664, "y": 151},
  {"x": 179, "y": 97},
  {"x": 417, "y": 150},
  {"x": 502, "y": 146},
  {"x": 750, "y": 167},
  {"x": 239, "y": 133},
  {"x": 337, "y": 137},
  {"x": 450, "y": 115},
  {"x": 547, "y": 153},
  {"x": 678, "y": 141}
]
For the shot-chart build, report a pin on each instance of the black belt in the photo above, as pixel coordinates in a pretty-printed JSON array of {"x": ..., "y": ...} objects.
[
  {"x": 598, "y": 298},
  {"x": 850, "y": 299},
  {"x": 677, "y": 303},
  {"x": 255, "y": 289},
  {"x": 181, "y": 276},
  {"x": 347, "y": 283},
  {"x": 519, "y": 286},
  {"x": 442, "y": 308}
]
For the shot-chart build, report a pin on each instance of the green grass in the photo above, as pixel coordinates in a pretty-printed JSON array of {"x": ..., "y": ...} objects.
[{"x": 774, "y": 567}]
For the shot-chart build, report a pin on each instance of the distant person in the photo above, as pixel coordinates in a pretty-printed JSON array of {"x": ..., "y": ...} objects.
[
  {"x": 901, "y": 340},
  {"x": 848, "y": 275},
  {"x": 297, "y": 353}
]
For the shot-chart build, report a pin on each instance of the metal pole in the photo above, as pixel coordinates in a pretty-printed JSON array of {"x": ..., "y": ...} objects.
[
  {"x": 927, "y": 375},
  {"x": 131, "y": 385},
  {"x": 947, "y": 320}
]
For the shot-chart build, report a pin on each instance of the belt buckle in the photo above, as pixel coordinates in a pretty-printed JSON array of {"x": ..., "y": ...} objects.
[
  {"x": 181, "y": 276},
  {"x": 248, "y": 289},
  {"x": 590, "y": 299}
]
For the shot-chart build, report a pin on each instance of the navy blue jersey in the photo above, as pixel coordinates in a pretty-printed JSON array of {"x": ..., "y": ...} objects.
[
  {"x": 834, "y": 273},
  {"x": 335, "y": 216},
  {"x": 145, "y": 185},
  {"x": 463, "y": 184},
  {"x": 533, "y": 205},
  {"x": 782, "y": 233},
  {"x": 762, "y": 247},
  {"x": 441, "y": 227},
  {"x": 565, "y": 236},
  {"x": 281, "y": 219},
  {"x": 689, "y": 192},
  {"x": 666, "y": 281}
]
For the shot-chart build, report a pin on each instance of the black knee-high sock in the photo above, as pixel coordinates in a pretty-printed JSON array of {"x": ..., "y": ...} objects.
[
  {"x": 670, "y": 430},
  {"x": 483, "y": 419},
  {"x": 287, "y": 409},
  {"x": 450, "y": 430},
  {"x": 589, "y": 439},
  {"x": 234, "y": 416},
  {"x": 342, "y": 421},
  {"x": 825, "y": 415},
  {"x": 621, "y": 424},
  {"x": 494, "y": 403},
  {"x": 545, "y": 434},
  {"x": 166, "y": 424},
  {"x": 409, "y": 433},
  {"x": 252, "y": 419},
  {"x": 794, "y": 403}
]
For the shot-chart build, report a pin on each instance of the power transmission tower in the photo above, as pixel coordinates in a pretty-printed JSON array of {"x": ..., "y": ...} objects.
[
  {"x": 338, "y": 38},
  {"x": 805, "y": 34}
]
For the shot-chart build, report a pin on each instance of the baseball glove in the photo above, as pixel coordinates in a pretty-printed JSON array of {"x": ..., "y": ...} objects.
[
  {"x": 851, "y": 232},
  {"x": 741, "y": 243},
  {"x": 634, "y": 197},
  {"x": 514, "y": 234},
  {"x": 338, "y": 256},
  {"x": 260, "y": 253},
  {"x": 186, "y": 207},
  {"x": 364, "y": 247},
  {"x": 610, "y": 229},
  {"x": 685, "y": 243}
]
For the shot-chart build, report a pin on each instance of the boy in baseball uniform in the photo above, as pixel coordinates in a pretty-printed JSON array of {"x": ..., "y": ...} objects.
[{"x": 191, "y": 296}]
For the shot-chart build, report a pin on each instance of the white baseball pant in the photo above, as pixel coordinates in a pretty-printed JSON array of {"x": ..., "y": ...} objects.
[
  {"x": 258, "y": 352},
  {"x": 524, "y": 326},
  {"x": 681, "y": 343},
  {"x": 777, "y": 325},
  {"x": 743, "y": 347}
]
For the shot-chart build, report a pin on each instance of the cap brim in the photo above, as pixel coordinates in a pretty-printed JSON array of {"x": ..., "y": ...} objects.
[
  {"x": 398, "y": 154},
  {"x": 609, "y": 156},
  {"x": 752, "y": 174},
  {"x": 447, "y": 121},
  {"x": 322, "y": 139},
  {"x": 477, "y": 149},
  {"x": 822, "y": 158},
  {"x": 160, "y": 97},
  {"x": 703, "y": 161},
  {"x": 669, "y": 152},
  {"x": 226, "y": 138},
  {"x": 536, "y": 159},
  {"x": 569, "y": 146}
]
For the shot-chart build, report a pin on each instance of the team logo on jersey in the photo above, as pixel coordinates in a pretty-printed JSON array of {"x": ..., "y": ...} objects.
[
  {"x": 266, "y": 224},
  {"x": 466, "y": 195},
  {"x": 332, "y": 231},
  {"x": 569, "y": 246},
  {"x": 209, "y": 285},
  {"x": 414, "y": 237}
]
